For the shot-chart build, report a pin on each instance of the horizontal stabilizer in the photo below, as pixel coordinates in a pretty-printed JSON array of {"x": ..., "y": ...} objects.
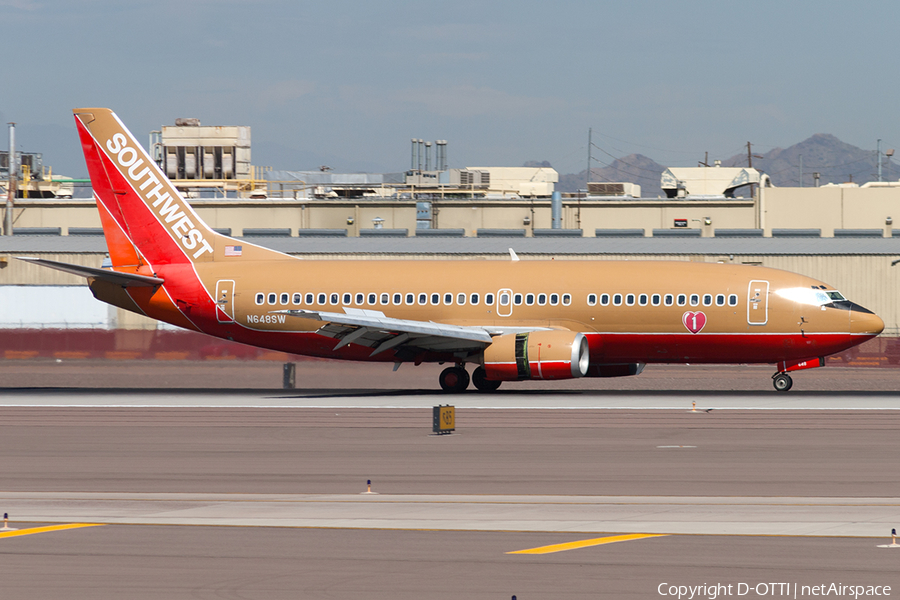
[{"x": 115, "y": 277}]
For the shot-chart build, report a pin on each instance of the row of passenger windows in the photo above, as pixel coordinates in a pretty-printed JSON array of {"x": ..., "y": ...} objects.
[
  {"x": 504, "y": 299},
  {"x": 664, "y": 299},
  {"x": 421, "y": 299}
]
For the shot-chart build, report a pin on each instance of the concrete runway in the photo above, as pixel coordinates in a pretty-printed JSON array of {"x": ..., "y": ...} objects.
[{"x": 257, "y": 493}]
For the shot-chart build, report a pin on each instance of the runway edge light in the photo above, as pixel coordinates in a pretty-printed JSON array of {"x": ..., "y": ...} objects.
[
  {"x": 443, "y": 419},
  {"x": 893, "y": 543},
  {"x": 6, "y": 526}
]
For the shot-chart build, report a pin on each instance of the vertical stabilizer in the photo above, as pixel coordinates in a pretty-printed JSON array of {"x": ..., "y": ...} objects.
[{"x": 145, "y": 219}]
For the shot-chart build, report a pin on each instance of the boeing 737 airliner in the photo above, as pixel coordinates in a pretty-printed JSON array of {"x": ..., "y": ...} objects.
[{"x": 513, "y": 320}]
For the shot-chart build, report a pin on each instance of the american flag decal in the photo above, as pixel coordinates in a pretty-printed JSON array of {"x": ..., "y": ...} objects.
[{"x": 233, "y": 250}]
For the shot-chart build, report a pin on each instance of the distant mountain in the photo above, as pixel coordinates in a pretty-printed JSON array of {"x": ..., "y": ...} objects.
[
  {"x": 634, "y": 168},
  {"x": 834, "y": 160}
]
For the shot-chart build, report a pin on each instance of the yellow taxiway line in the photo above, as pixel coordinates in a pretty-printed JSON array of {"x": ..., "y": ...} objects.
[
  {"x": 587, "y": 543},
  {"x": 33, "y": 530}
]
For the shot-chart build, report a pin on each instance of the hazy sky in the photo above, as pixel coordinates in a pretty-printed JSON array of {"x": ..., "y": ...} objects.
[{"x": 349, "y": 82}]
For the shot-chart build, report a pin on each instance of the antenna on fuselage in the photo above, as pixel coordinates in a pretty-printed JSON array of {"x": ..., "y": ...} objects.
[{"x": 512, "y": 255}]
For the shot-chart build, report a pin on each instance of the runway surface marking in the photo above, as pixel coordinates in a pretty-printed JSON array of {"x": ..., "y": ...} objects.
[
  {"x": 587, "y": 543},
  {"x": 48, "y": 528},
  {"x": 573, "y": 515}
]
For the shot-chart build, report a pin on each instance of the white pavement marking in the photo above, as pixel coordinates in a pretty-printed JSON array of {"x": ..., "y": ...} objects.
[
  {"x": 856, "y": 517},
  {"x": 529, "y": 400}
]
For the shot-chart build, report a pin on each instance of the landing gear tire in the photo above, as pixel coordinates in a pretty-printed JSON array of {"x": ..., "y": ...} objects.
[
  {"x": 782, "y": 382},
  {"x": 454, "y": 380},
  {"x": 482, "y": 383}
]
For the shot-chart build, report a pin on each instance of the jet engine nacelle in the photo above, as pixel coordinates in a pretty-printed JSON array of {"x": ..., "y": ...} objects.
[{"x": 537, "y": 355}]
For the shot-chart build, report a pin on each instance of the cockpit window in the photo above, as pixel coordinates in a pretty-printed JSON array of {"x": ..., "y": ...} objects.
[{"x": 811, "y": 296}]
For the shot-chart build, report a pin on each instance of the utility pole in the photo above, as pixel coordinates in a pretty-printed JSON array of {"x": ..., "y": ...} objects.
[
  {"x": 11, "y": 188},
  {"x": 750, "y": 156},
  {"x": 590, "y": 131},
  {"x": 878, "y": 152},
  {"x": 587, "y": 180}
]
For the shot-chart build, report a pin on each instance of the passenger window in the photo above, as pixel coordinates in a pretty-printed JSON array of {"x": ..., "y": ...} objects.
[
  {"x": 720, "y": 299},
  {"x": 732, "y": 300},
  {"x": 298, "y": 298},
  {"x": 309, "y": 299},
  {"x": 654, "y": 299},
  {"x": 542, "y": 299},
  {"x": 642, "y": 299},
  {"x": 695, "y": 299},
  {"x": 504, "y": 299},
  {"x": 284, "y": 298},
  {"x": 347, "y": 298},
  {"x": 322, "y": 298},
  {"x": 529, "y": 299},
  {"x": 360, "y": 298},
  {"x": 669, "y": 300},
  {"x": 517, "y": 299},
  {"x": 448, "y": 299},
  {"x": 398, "y": 299},
  {"x": 682, "y": 299},
  {"x": 554, "y": 299},
  {"x": 461, "y": 299},
  {"x": 423, "y": 299},
  {"x": 410, "y": 298},
  {"x": 474, "y": 299},
  {"x": 435, "y": 299},
  {"x": 385, "y": 299},
  {"x": 567, "y": 299},
  {"x": 629, "y": 299},
  {"x": 373, "y": 298},
  {"x": 592, "y": 299},
  {"x": 707, "y": 299},
  {"x": 617, "y": 299},
  {"x": 260, "y": 298},
  {"x": 489, "y": 299},
  {"x": 272, "y": 298},
  {"x": 334, "y": 298},
  {"x": 604, "y": 299}
]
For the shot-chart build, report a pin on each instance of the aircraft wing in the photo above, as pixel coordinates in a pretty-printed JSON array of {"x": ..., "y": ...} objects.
[
  {"x": 123, "y": 279},
  {"x": 373, "y": 329}
]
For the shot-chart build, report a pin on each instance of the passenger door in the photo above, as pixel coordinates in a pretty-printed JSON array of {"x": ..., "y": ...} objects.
[
  {"x": 758, "y": 302},
  {"x": 225, "y": 300}
]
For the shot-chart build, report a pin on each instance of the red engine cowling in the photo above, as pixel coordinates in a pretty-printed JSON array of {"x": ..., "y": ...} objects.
[{"x": 537, "y": 355}]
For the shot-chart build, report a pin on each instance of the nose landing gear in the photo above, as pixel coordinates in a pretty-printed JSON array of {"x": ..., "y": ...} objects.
[{"x": 782, "y": 382}]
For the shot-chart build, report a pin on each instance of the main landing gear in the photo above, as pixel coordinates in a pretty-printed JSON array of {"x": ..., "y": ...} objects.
[
  {"x": 455, "y": 380},
  {"x": 482, "y": 383},
  {"x": 782, "y": 382}
]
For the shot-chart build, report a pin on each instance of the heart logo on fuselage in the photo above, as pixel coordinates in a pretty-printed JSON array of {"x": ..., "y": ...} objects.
[{"x": 694, "y": 321}]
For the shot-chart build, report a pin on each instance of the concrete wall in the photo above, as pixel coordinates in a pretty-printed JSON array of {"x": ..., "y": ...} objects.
[
  {"x": 825, "y": 208},
  {"x": 470, "y": 215},
  {"x": 829, "y": 208}
]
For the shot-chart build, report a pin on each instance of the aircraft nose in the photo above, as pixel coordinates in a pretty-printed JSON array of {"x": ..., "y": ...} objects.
[{"x": 865, "y": 323}]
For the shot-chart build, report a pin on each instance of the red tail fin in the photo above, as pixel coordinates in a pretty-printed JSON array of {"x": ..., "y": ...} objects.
[{"x": 143, "y": 215}]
